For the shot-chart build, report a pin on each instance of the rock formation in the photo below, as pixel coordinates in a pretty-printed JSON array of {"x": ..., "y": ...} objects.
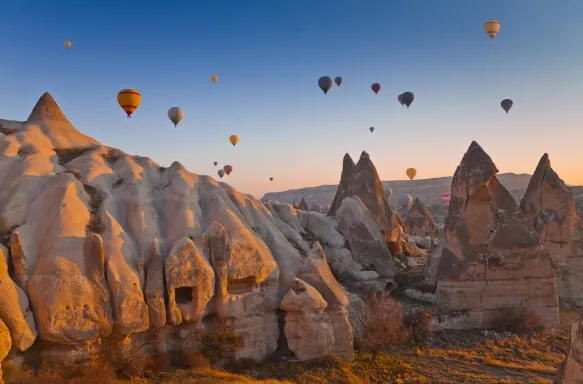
[
  {"x": 419, "y": 221},
  {"x": 304, "y": 205},
  {"x": 105, "y": 244},
  {"x": 308, "y": 328},
  {"x": 362, "y": 180},
  {"x": 493, "y": 260},
  {"x": 571, "y": 371},
  {"x": 549, "y": 207}
]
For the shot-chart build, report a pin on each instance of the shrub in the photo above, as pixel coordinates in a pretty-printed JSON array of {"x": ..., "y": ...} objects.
[
  {"x": 190, "y": 358},
  {"x": 518, "y": 321},
  {"x": 219, "y": 345},
  {"x": 418, "y": 324},
  {"x": 381, "y": 323}
]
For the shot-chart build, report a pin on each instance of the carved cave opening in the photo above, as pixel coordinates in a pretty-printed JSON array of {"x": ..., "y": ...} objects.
[
  {"x": 240, "y": 286},
  {"x": 183, "y": 295}
]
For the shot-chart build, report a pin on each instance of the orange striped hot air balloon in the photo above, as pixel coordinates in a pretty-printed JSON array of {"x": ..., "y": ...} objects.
[
  {"x": 491, "y": 27},
  {"x": 129, "y": 100}
]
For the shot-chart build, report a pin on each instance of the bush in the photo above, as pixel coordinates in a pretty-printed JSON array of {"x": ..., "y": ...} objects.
[
  {"x": 418, "y": 324},
  {"x": 219, "y": 345},
  {"x": 518, "y": 321},
  {"x": 190, "y": 358},
  {"x": 381, "y": 323}
]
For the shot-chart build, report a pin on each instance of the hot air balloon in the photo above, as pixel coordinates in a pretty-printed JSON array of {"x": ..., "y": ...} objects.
[
  {"x": 407, "y": 98},
  {"x": 129, "y": 100},
  {"x": 389, "y": 193},
  {"x": 215, "y": 163},
  {"x": 405, "y": 200},
  {"x": 325, "y": 83},
  {"x": 506, "y": 104},
  {"x": 376, "y": 87},
  {"x": 234, "y": 139},
  {"x": 371, "y": 129},
  {"x": 338, "y": 80},
  {"x": 67, "y": 44},
  {"x": 221, "y": 173},
  {"x": 491, "y": 27},
  {"x": 271, "y": 179},
  {"x": 411, "y": 172},
  {"x": 446, "y": 197},
  {"x": 400, "y": 98},
  {"x": 214, "y": 78},
  {"x": 228, "y": 169},
  {"x": 175, "y": 114}
]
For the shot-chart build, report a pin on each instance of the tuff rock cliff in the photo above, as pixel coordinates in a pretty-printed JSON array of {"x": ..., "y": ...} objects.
[
  {"x": 101, "y": 244},
  {"x": 492, "y": 260},
  {"x": 419, "y": 221},
  {"x": 549, "y": 207}
]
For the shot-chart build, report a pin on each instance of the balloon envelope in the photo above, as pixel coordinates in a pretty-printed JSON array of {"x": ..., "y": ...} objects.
[
  {"x": 67, "y": 44},
  {"x": 491, "y": 27},
  {"x": 175, "y": 114},
  {"x": 271, "y": 178},
  {"x": 407, "y": 98},
  {"x": 371, "y": 129},
  {"x": 221, "y": 173},
  {"x": 506, "y": 104},
  {"x": 129, "y": 100},
  {"x": 325, "y": 83},
  {"x": 400, "y": 98},
  {"x": 405, "y": 200},
  {"x": 376, "y": 87},
  {"x": 234, "y": 139},
  {"x": 228, "y": 169},
  {"x": 389, "y": 193},
  {"x": 338, "y": 80},
  {"x": 446, "y": 197},
  {"x": 214, "y": 78},
  {"x": 411, "y": 172}
]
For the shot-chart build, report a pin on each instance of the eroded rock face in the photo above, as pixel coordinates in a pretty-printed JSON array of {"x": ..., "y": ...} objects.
[
  {"x": 99, "y": 238},
  {"x": 492, "y": 257},
  {"x": 362, "y": 180},
  {"x": 571, "y": 371},
  {"x": 419, "y": 221},
  {"x": 5, "y": 344},
  {"x": 549, "y": 207},
  {"x": 308, "y": 327},
  {"x": 304, "y": 205}
]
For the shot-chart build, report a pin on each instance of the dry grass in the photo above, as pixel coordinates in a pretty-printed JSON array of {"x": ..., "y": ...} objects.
[
  {"x": 96, "y": 200},
  {"x": 65, "y": 155},
  {"x": 112, "y": 156},
  {"x": 7, "y": 131}
]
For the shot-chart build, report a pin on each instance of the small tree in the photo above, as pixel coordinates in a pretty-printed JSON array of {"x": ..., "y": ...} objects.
[
  {"x": 381, "y": 323},
  {"x": 418, "y": 324}
]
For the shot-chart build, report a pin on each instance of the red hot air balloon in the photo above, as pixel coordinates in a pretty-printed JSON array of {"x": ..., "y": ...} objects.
[
  {"x": 228, "y": 169},
  {"x": 446, "y": 197},
  {"x": 376, "y": 87}
]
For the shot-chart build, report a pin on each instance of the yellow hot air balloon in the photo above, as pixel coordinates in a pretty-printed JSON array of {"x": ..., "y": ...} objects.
[
  {"x": 411, "y": 172},
  {"x": 234, "y": 139},
  {"x": 67, "y": 44},
  {"x": 491, "y": 27},
  {"x": 214, "y": 78},
  {"x": 129, "y": 100}
]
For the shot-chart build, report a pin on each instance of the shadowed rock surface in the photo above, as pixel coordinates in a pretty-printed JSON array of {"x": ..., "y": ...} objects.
[
  {"x": 571, "y": 371},
  {"x": 419, "y": 221},
  {"x": 548, "y": 204},
  {"x": 492, "y": 258}
]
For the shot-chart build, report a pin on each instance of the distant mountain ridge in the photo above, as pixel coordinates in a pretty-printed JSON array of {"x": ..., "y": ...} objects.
[{"x": 425, "y": 189}]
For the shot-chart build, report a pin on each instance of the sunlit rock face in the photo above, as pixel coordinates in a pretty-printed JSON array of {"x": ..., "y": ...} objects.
[
  {"x": 549, "y": 207},
  {"x": 571, "y": 371},
  {"x": 493, "y": 259},
  {"x": 101, "y": 244}
]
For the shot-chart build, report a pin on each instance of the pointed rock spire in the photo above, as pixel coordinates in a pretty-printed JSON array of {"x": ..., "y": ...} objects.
[
  {"x": 345, "y": 184},
  {"x": 420, "y": 221},
  {"x": 47, "y": 109}
]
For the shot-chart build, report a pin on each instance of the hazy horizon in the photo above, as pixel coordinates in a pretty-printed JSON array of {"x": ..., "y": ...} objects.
[{"x": 269, "y": 56}]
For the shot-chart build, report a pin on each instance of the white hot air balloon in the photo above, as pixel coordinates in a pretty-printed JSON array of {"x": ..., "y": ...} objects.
[
  {"x": 405, "y": 201},
  {"x": 175, "y": 114}
]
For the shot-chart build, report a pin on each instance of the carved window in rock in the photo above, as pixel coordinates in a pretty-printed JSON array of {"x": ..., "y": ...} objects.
[
  {"x": 241, "y": 286},
  {"x": 183, "y": 295}
]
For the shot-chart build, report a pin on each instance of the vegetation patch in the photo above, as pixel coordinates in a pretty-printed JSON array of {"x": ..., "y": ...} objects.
[
  {"x": 112, "y": 156},
  {"x": 66, "y": 155},
  {"x": 95, "y": 203},
  {"x": 7, "y": 131}
]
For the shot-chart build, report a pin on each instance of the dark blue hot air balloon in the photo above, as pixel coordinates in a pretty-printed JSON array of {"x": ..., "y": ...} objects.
[
  {"x": 506, "y": 104},
  {"x": 325, "y": 83},
  {"x": 407, "y": 98},
  {"x": 338, "y": 80},
  {"x": 400, "y": 98}
]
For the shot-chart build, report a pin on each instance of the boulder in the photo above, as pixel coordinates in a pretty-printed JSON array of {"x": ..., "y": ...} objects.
[
  {"x": 549, "y": 207},
  {"x": 492, "y": 260},
  {"x": 308, "y": 327}
]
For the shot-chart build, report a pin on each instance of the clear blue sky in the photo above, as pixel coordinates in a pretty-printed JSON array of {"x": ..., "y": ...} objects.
[{"x": 269, "y": 55}]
